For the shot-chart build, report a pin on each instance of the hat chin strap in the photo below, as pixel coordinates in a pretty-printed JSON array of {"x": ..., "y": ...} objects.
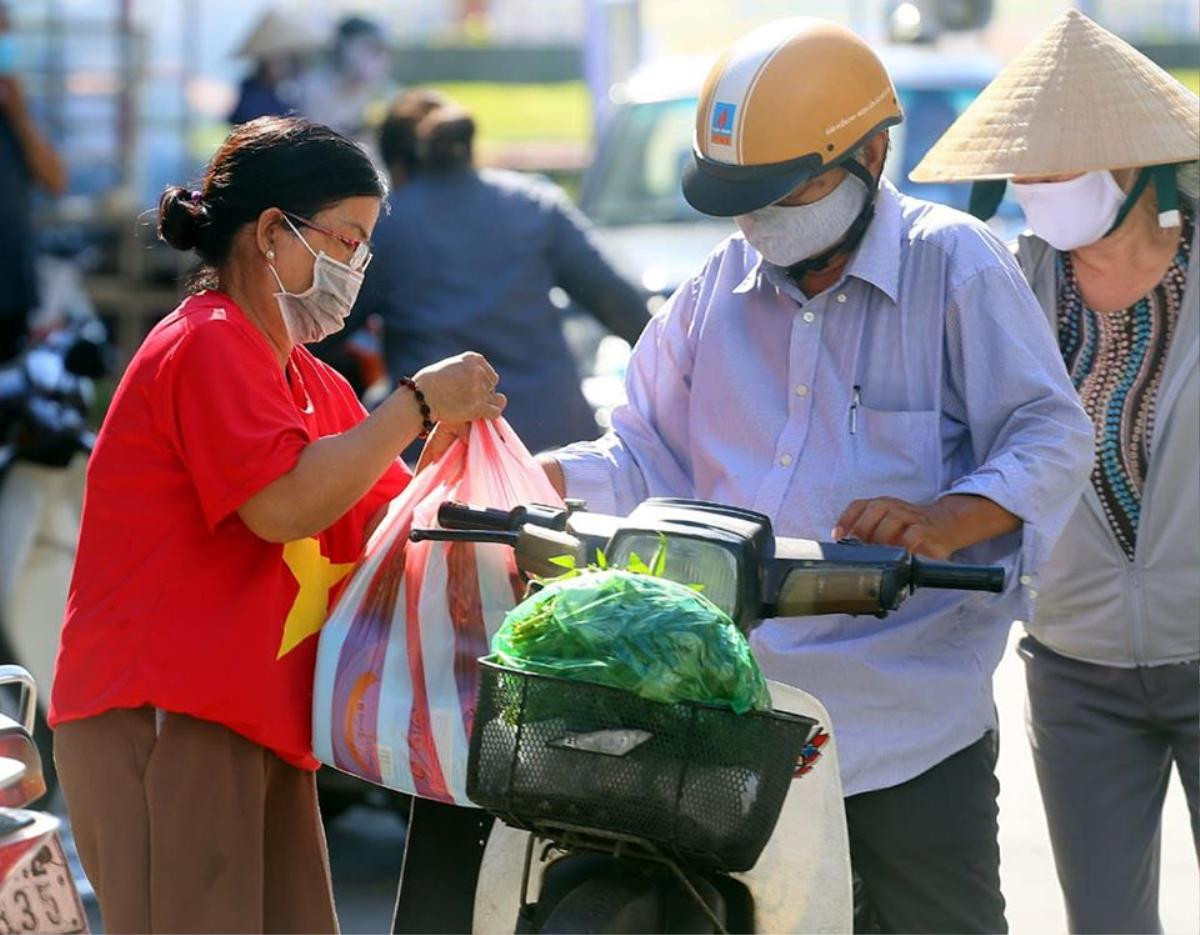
[
  {"x": 854, "y": 234},
  {"x": 986, "y": 196},
  {"x": 1166, "y": 190}
]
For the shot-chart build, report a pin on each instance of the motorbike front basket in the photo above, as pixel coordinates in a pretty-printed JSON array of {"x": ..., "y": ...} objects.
[{"x": 699, "y": 782}]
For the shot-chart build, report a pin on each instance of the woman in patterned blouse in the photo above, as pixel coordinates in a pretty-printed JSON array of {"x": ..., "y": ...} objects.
[{"x": 1101, "y": 146}]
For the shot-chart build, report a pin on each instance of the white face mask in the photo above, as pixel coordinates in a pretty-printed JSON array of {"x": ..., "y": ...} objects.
[
  {"x": 788, "y": 234},
  {"x": 321, "y": 309},
  {"x": 1073, "y": 213}
]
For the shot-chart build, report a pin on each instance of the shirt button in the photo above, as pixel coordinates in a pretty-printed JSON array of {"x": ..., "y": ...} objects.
[
  {"x": 1026, "y": 580},
  {"x": 841, "y": 297},
  {"x": 1032, "y": 594},
  {"x": 785, "y": 460},
  {"x": 801, "y": 390},
  {"x": 809, "y": 317}
]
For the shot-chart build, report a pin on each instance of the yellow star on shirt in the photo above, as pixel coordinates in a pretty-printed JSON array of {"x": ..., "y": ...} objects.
[{"x": 316, "y": 575}]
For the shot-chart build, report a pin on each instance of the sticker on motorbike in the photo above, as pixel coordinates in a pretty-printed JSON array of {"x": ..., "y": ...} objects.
[{"x": 607, "y": 742}]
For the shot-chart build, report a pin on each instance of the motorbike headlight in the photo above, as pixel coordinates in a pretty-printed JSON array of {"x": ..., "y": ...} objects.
[
  {"x": 21, "y": 779},
  {"x": 688, "y": 561}
]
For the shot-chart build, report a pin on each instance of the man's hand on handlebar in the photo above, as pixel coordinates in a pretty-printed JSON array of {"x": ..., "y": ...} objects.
[{"x": 934, "y": 530}]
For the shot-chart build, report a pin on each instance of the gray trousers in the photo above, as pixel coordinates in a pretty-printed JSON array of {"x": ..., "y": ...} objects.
[{"x": 1104, "y": 740}]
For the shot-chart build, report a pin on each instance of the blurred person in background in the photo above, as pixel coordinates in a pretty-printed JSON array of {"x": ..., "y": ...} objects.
[
  {"x": 356, "y": 351},
  {"x": 1100, "y": 145},
  {"x": 467, "y": 260},
  {"x": 277, "y": 48},
  {"x": 341, "y": 94},
  {"x": 27, "y": 161},
  {"x": 399, "y": 143},
  {"x": 232, "y": 487}
]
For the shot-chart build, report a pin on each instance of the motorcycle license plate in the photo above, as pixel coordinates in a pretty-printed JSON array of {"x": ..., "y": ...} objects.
[{"x": 38, "y": 894}]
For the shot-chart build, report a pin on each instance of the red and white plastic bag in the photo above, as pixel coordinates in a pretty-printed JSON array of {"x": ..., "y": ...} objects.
[{"x": 396, "y": 677}]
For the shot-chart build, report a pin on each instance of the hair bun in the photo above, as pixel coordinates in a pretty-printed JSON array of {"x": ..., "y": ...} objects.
[{"x": 179, "y": 218}]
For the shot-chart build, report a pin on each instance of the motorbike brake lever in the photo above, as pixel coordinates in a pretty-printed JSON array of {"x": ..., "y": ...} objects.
[{"x": 499, "y": 537}]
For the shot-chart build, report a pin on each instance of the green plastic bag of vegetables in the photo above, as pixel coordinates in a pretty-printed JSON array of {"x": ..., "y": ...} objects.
[{"x": 660, "y": 640}]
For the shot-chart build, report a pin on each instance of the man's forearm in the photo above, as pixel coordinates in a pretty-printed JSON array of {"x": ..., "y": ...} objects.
[
  {"x": 971, "y": 519},
  {"x": 554, "y": 473}
]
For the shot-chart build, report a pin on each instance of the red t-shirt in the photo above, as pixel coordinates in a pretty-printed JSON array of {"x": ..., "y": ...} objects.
[{"x": 174, "y": 602}]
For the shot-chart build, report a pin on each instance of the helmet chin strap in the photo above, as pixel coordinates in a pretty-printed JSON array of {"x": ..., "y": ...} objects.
[{"x": 854, "y": 234}]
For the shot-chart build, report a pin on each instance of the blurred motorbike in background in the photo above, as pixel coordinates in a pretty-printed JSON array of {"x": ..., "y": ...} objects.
[{"x": 46, "y": 396}]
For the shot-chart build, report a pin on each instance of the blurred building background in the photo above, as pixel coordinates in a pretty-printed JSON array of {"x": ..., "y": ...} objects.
[{"x": 136, "y": 94}]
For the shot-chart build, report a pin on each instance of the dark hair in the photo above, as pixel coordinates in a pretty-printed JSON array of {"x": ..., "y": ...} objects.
[
  {"x": 446, "y": 136},
  {"x": 351, "y": 28},
  {"x": 271, "y": 162},
  {"x": 398, "y": 141},
  {"x": 354, "y": 26}
]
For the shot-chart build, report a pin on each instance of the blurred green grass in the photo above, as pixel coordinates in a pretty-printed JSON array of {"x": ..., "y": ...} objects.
[
  {"x": 514, "y": 113},
  {"x": 505, "y": 114},
  {"x": 1188, "y": 77}
]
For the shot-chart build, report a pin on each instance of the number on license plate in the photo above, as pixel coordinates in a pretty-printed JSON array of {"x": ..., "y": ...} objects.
[{"x": 39, "y": 895}]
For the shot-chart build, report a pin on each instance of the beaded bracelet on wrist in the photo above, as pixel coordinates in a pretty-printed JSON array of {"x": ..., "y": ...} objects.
[{"x": 427, "y": 423}]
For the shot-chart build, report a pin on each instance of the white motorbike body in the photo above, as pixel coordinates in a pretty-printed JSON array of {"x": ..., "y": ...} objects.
[
  {"x": 801, "y": 882},
  {"x": 40, "y": 509}
]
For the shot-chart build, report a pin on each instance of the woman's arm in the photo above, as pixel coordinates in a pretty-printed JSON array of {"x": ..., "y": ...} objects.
[
  {"x": 333, "y": 474},
  {"x": 336, "y": 472}
]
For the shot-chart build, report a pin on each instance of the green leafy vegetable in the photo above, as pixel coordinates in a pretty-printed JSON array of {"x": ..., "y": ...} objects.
[{"x": 661, "y": 640}]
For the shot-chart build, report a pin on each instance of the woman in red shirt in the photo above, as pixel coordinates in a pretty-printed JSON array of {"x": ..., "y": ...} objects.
[{"x": 231, "y": 489}]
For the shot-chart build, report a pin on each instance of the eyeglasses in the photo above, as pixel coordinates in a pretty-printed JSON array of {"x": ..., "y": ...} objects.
[{"x": 360, "y": 250}]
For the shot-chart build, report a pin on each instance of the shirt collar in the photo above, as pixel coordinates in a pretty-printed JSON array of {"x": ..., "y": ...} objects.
[
  {"x": 750, "y": 282},
  {"x": 876, "y": 261}
]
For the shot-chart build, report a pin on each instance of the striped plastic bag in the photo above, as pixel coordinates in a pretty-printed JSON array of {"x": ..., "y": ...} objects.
[{"x": 396, "y": 677}]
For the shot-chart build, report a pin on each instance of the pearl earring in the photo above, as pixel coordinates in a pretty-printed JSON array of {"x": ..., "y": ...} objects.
[{"x": 270, "y": 254}]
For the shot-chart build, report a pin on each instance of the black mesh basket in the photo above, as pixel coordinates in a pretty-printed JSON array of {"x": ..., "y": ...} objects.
[{"x": 699, "y": 782}]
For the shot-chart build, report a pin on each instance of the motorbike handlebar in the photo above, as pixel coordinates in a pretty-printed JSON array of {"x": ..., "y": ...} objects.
[
  {"x": 927, "y": 573},
  {"x": 803, "y": 579},
  {"x": 463, "y": 516}
]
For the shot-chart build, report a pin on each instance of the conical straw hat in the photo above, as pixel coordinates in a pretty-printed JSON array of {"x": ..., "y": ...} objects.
[
  {"x": 279, "y": 34},
  {"x": 1076, "y": 100}
]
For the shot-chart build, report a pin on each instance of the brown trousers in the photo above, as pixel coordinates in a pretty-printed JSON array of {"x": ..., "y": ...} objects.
[{"x": 190, "y": 827}]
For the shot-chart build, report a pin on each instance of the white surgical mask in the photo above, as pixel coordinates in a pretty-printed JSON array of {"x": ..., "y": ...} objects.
[
  {"x": 321, "y": 309},
  {"x": 1073, "y": 213},
  {"x": 786, "y": 234}
]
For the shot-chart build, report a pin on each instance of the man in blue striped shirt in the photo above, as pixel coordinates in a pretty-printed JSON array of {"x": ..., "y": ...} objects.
[{"x": 859, "y": 363}]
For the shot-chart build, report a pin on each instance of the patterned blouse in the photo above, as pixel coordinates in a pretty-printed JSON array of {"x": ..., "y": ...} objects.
[{"x": 1116, "y": 361}]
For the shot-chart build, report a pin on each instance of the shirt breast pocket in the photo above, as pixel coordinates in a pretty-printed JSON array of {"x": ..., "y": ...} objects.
[{"x": 896, "y": 453}]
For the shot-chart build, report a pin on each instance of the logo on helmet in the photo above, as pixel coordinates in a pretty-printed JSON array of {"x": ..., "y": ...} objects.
[{"x": 722, "y": 123}]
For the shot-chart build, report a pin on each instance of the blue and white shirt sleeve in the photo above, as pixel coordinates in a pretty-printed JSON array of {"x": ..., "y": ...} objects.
[
  {"x": 1006, "y": 381},
  {"x": 646, "y": 453}
]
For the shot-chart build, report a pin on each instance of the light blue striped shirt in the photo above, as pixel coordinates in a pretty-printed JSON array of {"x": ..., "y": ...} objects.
[{"x": 740, "y": 392}]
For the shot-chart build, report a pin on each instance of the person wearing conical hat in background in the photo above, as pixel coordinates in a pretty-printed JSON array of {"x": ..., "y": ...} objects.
[
  {"x": 276, "y": 47},
  {"x": 859, "y": 363},
  {"x": 1100, "y": 146}
]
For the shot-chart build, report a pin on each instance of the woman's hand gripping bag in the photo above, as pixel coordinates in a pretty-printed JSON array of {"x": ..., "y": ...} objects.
[{"x": 396, "y": 677}]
